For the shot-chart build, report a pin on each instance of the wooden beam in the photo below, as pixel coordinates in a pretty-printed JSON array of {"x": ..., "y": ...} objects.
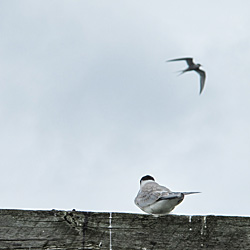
[{"x": 51, "y": 230}]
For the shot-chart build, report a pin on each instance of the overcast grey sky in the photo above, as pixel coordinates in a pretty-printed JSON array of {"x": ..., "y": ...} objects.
[{"x": 88, "y": 104}]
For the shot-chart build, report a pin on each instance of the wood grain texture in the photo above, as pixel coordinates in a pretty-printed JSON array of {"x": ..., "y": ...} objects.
[{"x": 51, "y": 230}]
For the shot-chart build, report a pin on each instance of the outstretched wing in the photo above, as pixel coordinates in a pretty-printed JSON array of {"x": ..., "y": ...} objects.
[
  {"x": 189, "y": 60},
  {"x": 202, "y": 78}
]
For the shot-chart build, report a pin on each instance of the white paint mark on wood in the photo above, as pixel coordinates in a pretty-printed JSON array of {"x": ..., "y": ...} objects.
[
  {"x": 110, "y": 231},
  {"x": 190, "y": 222},
  {"x": 203, "y": 224},
  {"x": 190, "y": 218}
]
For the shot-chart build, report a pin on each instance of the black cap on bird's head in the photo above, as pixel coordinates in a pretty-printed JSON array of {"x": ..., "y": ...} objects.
[{"x": 147, "y": 178}]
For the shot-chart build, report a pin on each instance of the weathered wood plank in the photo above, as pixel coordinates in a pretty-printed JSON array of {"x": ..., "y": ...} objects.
[
  {"x": 181, "y": 232},
  {"x": 36, "y": 230}
]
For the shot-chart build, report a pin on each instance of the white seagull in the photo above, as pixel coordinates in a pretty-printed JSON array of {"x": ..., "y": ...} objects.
[
  {"x": 155, "y": 199},
  {"x": 192, "y": 66}
]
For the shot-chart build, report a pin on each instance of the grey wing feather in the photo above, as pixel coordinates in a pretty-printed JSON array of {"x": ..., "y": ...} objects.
[
  {"x": 144, "y": 199},
  {"x": 186, "y": 193},
  {"x": 151, "y": 195},
  {"x": 202, "y": 78},
  {"x": 189, "y": 60},
  {"x": 172, "y": 195}
]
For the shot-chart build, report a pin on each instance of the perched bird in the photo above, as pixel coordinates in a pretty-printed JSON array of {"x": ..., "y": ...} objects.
[
  {"x": 155, "y": 199},
  {"x": 193, "y": 66}
]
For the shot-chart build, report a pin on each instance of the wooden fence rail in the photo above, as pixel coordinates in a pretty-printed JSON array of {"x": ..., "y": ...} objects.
[{"x": 66, "y": 230}]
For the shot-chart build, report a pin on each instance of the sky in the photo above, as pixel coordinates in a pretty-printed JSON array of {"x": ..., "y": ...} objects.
[{"x": 88, "y": 104}]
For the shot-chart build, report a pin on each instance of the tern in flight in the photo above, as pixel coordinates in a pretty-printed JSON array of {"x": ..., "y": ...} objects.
[{"x": 192, "y": 66}]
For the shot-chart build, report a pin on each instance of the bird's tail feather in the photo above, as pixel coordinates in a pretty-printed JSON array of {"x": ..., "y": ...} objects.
[
  {"x": 180, "y": 72},
  {"x": 186, "y": 193}
]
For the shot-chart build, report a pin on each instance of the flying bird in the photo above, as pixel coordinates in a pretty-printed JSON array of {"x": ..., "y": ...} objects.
[
  {"x": 192, "y": 66},
  {"x": 155, "y": 199}
]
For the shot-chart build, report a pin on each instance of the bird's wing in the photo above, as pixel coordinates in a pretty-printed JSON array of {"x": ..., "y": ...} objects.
[
  {"x": 150, "y": 194},
  {"x": 178, "y": 197},
  {"x": 202, "y": 78},
  {"x": 189, "y": 60},
  {"x": 172, "y": 195},
  {"x": 145, "y": 199},
  {"x": 186, "y": 193}
]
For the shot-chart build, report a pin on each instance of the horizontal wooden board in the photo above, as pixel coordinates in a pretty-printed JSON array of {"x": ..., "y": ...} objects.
[{"x": 51, "y": 230}]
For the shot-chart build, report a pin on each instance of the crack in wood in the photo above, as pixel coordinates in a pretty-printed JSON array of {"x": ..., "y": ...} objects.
[{"x": 85, "y": 228}]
